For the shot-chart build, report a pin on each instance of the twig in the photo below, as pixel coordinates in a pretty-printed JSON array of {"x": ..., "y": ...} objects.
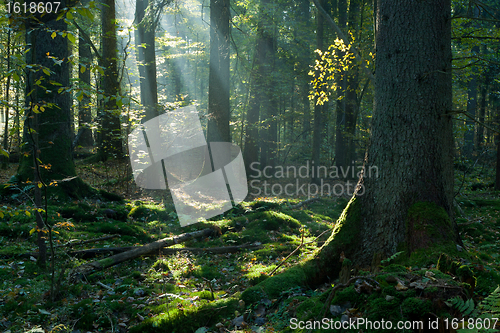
[
  {"x": 301, "y": 244},
  {"x": 104, "y": 286},
  {"x": 209, "y": 286},
  {"x": 73, "y": 243}
]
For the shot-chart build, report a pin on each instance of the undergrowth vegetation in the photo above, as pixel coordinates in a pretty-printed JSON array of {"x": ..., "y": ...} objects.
[{"x": 190, "y": 291}]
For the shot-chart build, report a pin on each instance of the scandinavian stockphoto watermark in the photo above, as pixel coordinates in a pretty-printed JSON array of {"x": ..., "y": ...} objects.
[
  {"x": 264, "y": 180},
  {"x": 205, "y": 179}
]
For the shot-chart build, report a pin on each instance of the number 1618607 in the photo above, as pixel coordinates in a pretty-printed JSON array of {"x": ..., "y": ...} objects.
[{"x": 32, "y": 7}]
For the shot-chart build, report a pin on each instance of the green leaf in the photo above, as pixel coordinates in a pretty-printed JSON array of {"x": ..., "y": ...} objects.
[
  {"x": 4, "y": 152},
  {"x": 71, "y": 38},
  {"x": 69, "y": 16},
  {"x": 15, "y": 77},
  {"x": 46, "y": 71}
]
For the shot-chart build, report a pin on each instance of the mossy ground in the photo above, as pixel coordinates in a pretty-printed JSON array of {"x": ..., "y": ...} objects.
[{"x": 185, "y": 292}]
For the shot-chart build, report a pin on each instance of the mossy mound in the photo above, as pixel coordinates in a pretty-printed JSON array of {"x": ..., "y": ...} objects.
[
  {"x": 81, "y": 212},
  {"x": 180, "y": 317},
  {"x": 273, "y": 287},
  {"x": 148, "y": 212}
]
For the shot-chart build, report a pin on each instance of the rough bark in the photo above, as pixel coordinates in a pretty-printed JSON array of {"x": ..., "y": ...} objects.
[
  {"x": 84, "y": 108},
  {"x": 110, "y": 142},
  {"x": 5, "y": 143},
  {"x": 53, "y": 106},
  {"x": 146, "y": 59},
  {"x": 268, "y": 131},
  {"x": 318, "y": 110},
  {"x": 347, "y": 107},
  {"x": 407, "y": 205},
  {"x": 218, "y": 90},
  {"x": 251, "y": 152}
]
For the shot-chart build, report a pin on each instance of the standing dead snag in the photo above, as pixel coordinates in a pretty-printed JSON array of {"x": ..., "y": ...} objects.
[{"x": 84, "y": 270}]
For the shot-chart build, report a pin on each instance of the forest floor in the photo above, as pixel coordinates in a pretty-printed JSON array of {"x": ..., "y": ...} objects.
[{"x": 202, "y": 292}]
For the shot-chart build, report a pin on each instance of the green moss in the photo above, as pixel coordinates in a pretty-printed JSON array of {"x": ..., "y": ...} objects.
[
  {"x": 380, "y": 308},
  {"x": 207, "y": 272},
  {"x": 84, "y": 311},
  {"x": 344, "y": 238},
  {"x": 274, "y": 286},
  {"x": 258, "y": 273},
  {"x": 393, "y": 268},
  {"x": 108, "y": 196},
  {"x": 414, "y": 307},
  {"x": 349, "y": 294},
  {"x": 184, "y": 318},
  {"x": 428, "y": 225},
  {"x": 309, "y": 309}
]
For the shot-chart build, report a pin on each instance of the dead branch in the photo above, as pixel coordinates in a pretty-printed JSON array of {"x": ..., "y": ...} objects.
[
  {"x": 92, "y": 253},
  {"x": 81, "y": 271},
  {"x": 73, "y": 242}
]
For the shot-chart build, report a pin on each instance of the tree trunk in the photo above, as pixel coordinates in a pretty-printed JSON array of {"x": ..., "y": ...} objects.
[
  {"x": 268, "y": 131},
  {"x": 146, "y": 59},
  {"x": 84, "y": 105},
  {"x": 53, "y": 106},
  {"x": 318, "y": 111},
  {"x": 5, "y": 143},
  {"x": 251, "y": 152},
  {"x": 110, "y": 142},
  {"x": 347, "y": 109},
  {"x": 471, "y": 110},
  {"x": 218, "y": 90},
  {"x": 403, "y": 201}
]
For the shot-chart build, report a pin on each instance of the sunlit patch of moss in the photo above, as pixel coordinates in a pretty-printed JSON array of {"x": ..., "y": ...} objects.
[
  {"x": 258, "y": 272},
  {"x": 182, "y": 317},
  {"x": 150, "y": 212},
  {"x": 207, "y": 272},
  {"x": 272, "y": 287}
]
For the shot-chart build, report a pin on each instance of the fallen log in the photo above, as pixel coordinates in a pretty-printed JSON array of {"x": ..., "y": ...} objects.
[
  {"x": 79, "y": 272},
  {"x": 92, "y": 253}
]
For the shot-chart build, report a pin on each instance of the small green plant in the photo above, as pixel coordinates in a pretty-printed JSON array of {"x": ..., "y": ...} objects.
[
  {"x": 465, "y": 307},
  {"x": 391, "y": 258}
]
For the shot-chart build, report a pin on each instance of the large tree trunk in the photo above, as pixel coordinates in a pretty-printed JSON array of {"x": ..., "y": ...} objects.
[
  {"x": 48, "y": 105},
  {"x": 404, "y": 199},
  {"x": 110, "y": 142},
  {"x": 218, "y": 90}
]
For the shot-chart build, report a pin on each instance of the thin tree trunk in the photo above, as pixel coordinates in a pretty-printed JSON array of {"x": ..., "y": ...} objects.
[
  {"x": 5, "y": 143},
  {"x": 84, "y": 104},
  {"x": 318, "y": 110},
  {"x": 146, "y": 59},
  {"x": 110, "y": 142},
  {"x": 218, "y": 89}
]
